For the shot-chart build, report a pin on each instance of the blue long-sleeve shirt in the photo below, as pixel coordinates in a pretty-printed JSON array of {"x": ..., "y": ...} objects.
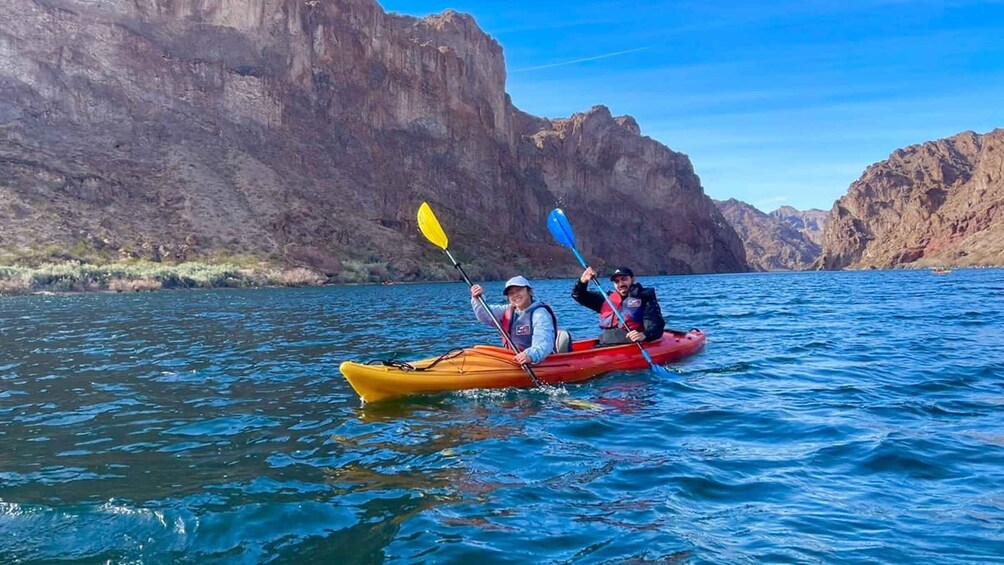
[{"x": 542, "y": 342}]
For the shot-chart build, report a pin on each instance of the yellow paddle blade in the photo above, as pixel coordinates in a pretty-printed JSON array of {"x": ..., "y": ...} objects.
[
  {"x": 429, "y": 226},
  {"x": 584, "y": 404}
]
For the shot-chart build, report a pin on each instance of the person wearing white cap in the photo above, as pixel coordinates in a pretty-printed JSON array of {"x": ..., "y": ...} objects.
[{"x": 531, "y": 325}]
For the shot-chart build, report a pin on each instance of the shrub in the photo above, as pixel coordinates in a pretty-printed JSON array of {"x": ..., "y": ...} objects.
[
  {"x": 14, "y": 285},
  {"x": 137, "y": 285},
  {"x": 302, "y": 277}
]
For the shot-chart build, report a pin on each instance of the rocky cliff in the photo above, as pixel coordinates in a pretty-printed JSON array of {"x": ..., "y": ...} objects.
[
  {"x": 938, "y": 203},
  {"x": 307, "y": 132},
  {"x": 771, "y": 242},
  {"x": 809, "y": 223}
]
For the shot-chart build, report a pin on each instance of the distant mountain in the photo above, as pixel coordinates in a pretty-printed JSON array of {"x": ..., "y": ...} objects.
[
  {"x": 937, "y": 203},
  {"x": 771, "y": 241},
  {"x": 809, "y": 222}
]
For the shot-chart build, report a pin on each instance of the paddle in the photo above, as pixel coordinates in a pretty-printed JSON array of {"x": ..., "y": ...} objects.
[
  {"x": 430, "y": 228},
  {"x": 558, "y": 224}
]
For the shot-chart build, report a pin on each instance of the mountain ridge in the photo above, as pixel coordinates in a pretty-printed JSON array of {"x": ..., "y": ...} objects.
[
  {"x": 774, "y": 241},
  {"x": 307, "y": 134},
  {"x": 935, "y": 203}
]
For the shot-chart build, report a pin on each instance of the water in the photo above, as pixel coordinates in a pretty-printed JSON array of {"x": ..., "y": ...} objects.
[{"x": 832, "y": 417}]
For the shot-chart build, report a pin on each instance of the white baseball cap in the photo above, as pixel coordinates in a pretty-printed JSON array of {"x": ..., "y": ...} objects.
[{"x": 518, "y": 280}]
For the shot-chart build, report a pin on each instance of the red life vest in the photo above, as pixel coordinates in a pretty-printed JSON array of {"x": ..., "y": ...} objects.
[
  {"x": 630, "y": 308},
  {"x": 520, "y": 328}
]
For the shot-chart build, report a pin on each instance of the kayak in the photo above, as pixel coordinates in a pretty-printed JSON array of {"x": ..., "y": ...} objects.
[{"x": 487, "y": 366}]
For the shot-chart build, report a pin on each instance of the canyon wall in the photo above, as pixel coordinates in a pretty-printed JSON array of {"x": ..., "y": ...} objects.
[{"x": 307, "y": 133}]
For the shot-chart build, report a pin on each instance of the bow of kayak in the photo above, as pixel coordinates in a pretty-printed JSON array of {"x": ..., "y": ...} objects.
[{"x": 485, "y": 366}]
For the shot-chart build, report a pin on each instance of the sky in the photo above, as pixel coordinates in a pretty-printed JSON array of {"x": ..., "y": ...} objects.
[{"x": 776, "y": 103}]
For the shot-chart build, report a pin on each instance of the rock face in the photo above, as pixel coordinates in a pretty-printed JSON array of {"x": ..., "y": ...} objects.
[
  {"x": 770, "y": 241},
  {"x": 308, "y": 132},
  {"x": 809, "y": 223},
  {"x": 604, "y": 174},
  {"x": 938, "y": 203}
]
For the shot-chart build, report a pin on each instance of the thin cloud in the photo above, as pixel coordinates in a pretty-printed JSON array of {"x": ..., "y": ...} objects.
[
  {"x": 763, "y": 204},
  {"x": 582, "y": 60},
  {"x": 552, "y": 25}
]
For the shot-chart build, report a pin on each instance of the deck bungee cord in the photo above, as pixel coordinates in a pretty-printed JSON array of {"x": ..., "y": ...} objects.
[{"x": 405, "y": 366}]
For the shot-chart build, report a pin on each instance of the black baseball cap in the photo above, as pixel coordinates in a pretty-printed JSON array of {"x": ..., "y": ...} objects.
[{"x": 621, "y": 271}]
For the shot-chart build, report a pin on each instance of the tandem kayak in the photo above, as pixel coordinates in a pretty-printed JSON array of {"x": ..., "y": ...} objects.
[{"x": 487, "y": 366}]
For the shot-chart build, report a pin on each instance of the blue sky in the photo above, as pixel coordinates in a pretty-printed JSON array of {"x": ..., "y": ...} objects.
[{"x": 776, "y": 103}]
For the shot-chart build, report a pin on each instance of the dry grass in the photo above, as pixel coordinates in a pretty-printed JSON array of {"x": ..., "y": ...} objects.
[
  {"x": 14, "y": 285},
  {"x": 134, "y": 285},
  {"x": 73, "y": 276},
  {"x": 135, "y": 276},
  {"x": 302, "y": 277},
  {"x": 138, "y": 276}
]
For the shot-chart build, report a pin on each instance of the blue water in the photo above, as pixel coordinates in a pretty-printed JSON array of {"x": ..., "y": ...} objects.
[{"x": 833, "y": 418}]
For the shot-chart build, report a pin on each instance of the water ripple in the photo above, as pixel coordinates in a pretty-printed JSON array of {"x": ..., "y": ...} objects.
[{"x": 832, "y": 417}]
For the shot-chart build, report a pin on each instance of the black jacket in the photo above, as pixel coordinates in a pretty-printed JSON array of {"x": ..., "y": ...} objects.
[{"x": 651, "y": 312}]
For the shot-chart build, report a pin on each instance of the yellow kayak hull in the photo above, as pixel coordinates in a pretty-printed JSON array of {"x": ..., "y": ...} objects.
[{"x": 485, "y": 366}]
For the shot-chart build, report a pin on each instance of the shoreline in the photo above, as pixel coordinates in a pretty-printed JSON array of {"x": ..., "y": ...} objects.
[
  {"x": 72, "y": 277},
  {"x": 75, "y": 277}
]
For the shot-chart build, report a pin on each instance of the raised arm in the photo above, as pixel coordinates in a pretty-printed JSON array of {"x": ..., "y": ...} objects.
[
  {"x": 584, "y": 296},
  {"x": 485, "y": 316}
]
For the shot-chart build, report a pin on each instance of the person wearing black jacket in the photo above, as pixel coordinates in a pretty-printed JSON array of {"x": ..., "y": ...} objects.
[{"x": 638, "y": 306}]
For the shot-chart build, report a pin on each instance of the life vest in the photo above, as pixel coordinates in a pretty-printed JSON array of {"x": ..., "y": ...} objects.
[
  {"x": 630, "y": 308},
  {"x": 520, "y": 328}
]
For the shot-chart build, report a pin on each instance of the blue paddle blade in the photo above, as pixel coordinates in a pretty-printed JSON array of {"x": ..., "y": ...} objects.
[
  {"x": 560, "y": 228},
  {"x": 662, "y": 371}
]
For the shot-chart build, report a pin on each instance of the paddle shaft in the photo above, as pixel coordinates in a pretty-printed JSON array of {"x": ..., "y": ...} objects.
[
  {"x": 612, "y": 307},
  {"x": 498, "y": 326}
]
